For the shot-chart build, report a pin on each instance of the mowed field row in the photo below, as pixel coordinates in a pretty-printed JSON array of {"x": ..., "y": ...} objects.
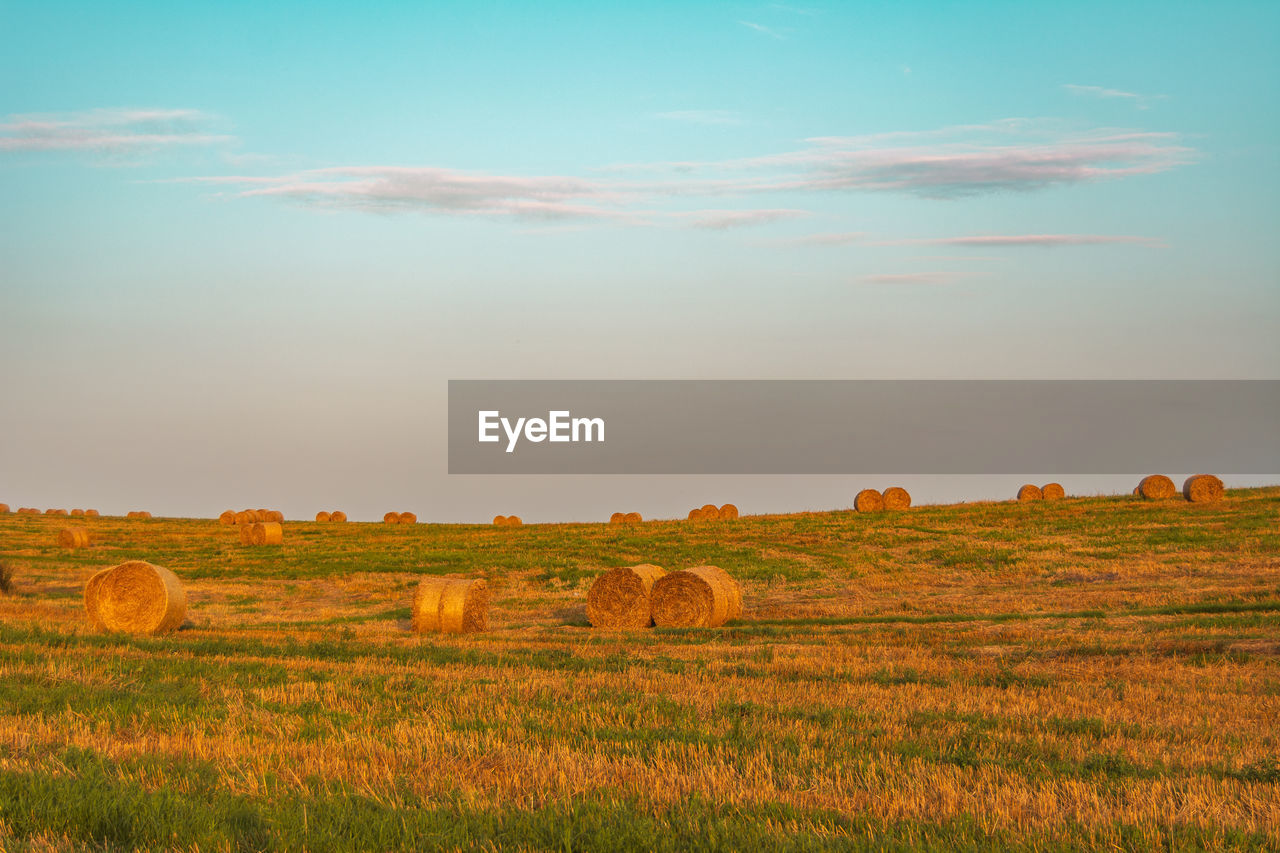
[{"x": 1054, "y": 675}]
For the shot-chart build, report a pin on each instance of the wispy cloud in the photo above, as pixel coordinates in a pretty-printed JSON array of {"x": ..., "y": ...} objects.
[
  {"x": 720, "y": 220},
  {"x": 937, "y": 277},
  {"x": 1142, "y": 102},
  {"x": 762, "y": 29},
  {"x": 108, "y": 131},
  {"x": 831, "y": 238},
  {"x": 710, "y": 117},
  {"x": 1034, "y": 240}
]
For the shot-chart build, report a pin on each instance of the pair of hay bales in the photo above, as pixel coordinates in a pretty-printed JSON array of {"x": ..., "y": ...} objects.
[
  {"x": 1198, "y": 488},
  {"x": 73, "y": 537},
  {"x": 626, "y": 518},
  {"x": 396, "y": 518},
  {"x": 251, "y": 516},
  {"x": 451, "y": 606},
  {"x": 871, "y": 500},
  {"x": 27, "y": 510},
  {"x": 336, "y": 516},
  {"x": 136, "y": 598},
  {"x": 56, "y": 512},
  {"x": 507, "y": 521},
  {"x": 636, "y": 597},
  {"x": 711, "y": 512},
  {"x": 262, "y": 533},
  {"x": 138, "y": 514},
  {"x": 1047, "y": 492}
]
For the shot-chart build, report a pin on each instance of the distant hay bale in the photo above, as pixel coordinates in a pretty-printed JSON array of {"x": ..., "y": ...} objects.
[
  {"x": 91, "y": 513},
  {"x": 620, "y": 598},
  {"x": 408, "y": 518},
  {"x": 391, "y": 518},
  {"x": 701, "y": 597},
  {"x": 245, "y": 517},
  {"x": 710, "y": 512},
  {"x": 695, "y": 515},
  {"x": 728, "y": 512},
  {"x": 617, "y": 518},
  {"x": 337, "y": 515},
  {"x": 868, "y": 500},
  {"x": 275, "y": 515},
  {"x": 896, "y": 497},
  {"x": 228, "y": 518},
  {"x": 136, "y": 598},
  {"x": 1053, "y": 492},
  {"x": 77, "y": 512},
  {"x": 1030, "y": 493},
  {"x": 633, "y": 518},
  {"x": 514, "y": 521},
  {"x": 1157, "y": 487},
  {"x": 451, "y": 606},
  {"x": 1202, "y": 488},
  {"x": 499, "y": 520},
  {"x": 323, "y": 516},
  {"x": 4, "y": 509},
  {"x": 143, "y": 514},
  {"x": 73, "y": 537},
  {"x": 55, "y": 512},
  {"x": 266, "y": 533}
]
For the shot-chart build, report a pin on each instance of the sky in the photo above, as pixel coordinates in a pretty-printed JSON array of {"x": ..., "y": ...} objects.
[{"x": 244, "y": 246}]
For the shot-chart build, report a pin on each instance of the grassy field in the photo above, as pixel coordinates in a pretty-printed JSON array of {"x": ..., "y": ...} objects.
[{"x": 1099, "y": 672}]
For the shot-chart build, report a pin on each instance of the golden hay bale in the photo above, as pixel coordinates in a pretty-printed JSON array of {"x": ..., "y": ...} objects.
[
  {"x": 73, "y": 537},
  {"x": 728, "y": 512},
  {"x": 228, "y": 518},
  {"x": 136, "y": 598},
  {"x": 620, "y": 598},
  {"x": 91, "y": 513},
  {"x": 1202, "y": 488},
  {"x": 868, "y": 500},
  {"x": 391, "y": 518},
  {"x": 695, "y": 515},
  {"x": 275, "y": 515},
  {"x": 701, "y": 597},
  {"x": 77, "y": 512},
  {"x": 266, "y": 533},
  {"x": 632, "y": 518},
  {"x": 617, "y": 518},
  {"x": 1157, "y": 487},
  {"x": 408, "y": 518},
  {"x": 142, "y": 513},
  {"x": 499, "y": 520},
  {"x": 1052, "y": 491},
  {"x": 451, "y": 606},
  {"x": 4, "y": 509},
  {"x": 896, "y": 497},
  {"x": 337, "y": 515},
  {"x": 246, "y": 533},
  {"x": 514, "y": 521},
  {"x": 55, "y": 512},
  {"x": 710, "y": 512},
  {"x": 1030, "y": 493},
  {"x": 323, "y": 516},
  {"x": 1137, "y": 490},
  {"x": 245, "y": 517}
]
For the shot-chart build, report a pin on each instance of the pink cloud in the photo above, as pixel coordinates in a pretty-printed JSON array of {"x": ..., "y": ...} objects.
[
  {"x": 108, "y": 131},
  {"x": 1029, "y": 240}
]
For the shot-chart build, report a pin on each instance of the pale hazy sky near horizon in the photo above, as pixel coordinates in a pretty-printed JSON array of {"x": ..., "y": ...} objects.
[{"x": 244, "y": 246}]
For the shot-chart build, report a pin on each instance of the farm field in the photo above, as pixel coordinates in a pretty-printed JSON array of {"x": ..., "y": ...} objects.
[{"x": 1086, "y": 673}]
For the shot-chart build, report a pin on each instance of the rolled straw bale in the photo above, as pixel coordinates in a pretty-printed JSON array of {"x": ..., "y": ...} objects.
[
  {"x": 451, "y": 606},
  {"x": 73, "y": 537},
  {"x": 1052, "y": 491},
  {"x": 244, "y": 517},
  {"x": 136, "y": 598},
  {"x": 142, "y": 513},
  {"x": 323, "y": 516},
  {"x": 4, "y": 509},
  {"x": 633, "y": 518},
  {"x": 408, "y": 518},
  {"x": 728, "y": 512},
  {"x": 246, "y": 533},
  {"x": 896, "y": 497},
  {"x": 620, "y": 598},
  {"x": 1157, "y": 487},
  {"x": 266, "y": 533},
  {"x": 77, "y": 512},
  {"x": 131, "y": 514},
  {"x": 228, "y": 518},
  {"x": 55, "y": 512},
  {"x": 701, "y": 597},
  {"x": 91, "y": 513},
  {"x": 1202, "y": 488},
  {"x": 337, "y": 515},
  {"x": 514, "y": 521},
  {"x": 868, "y": 500},
  {"x": 710, "y": 512},
  {"x": 499, "y": 520},
  {"x": 262, "y": 514},
  {"x": 617, "y": 518},
  {"x": 391, "y": 518},
  {"x": 1030, "y": 493},
  {"x": 695, "y": 515},
  {"x": 275, "y": 515},
  {"x": 1137, "y": 490}
]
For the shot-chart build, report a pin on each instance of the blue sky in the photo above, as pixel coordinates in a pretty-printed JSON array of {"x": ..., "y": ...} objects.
[{"x": 243, "y": 247}]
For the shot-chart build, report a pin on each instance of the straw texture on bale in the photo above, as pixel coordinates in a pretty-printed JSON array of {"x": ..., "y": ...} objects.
[
  {"x": 136, "y": 598},
  {"x": 868, "y": 500},
  {"x": 896, "y": 497},
  {"x": 620, "y": 598},
  {"x": 695, "y": 515},
  {"x": 4, "y": 509},
  {"x": 244, "y": 517},
  {"x": 616, "y": 518},
  {"x": 228, "y": 518},
  {"x": 246, "y": 534},
  {"x": 1157, "y": 487},
  {"x": 451, "y": 606},
  {"x": 391, "y": 518},
  {"x": 143, "y": 514},
  {"x": 266, "y": 533},
  {"x": 701, "y": 597},
  {"x": 1137, "y": 490},
  {"x": 91, "y": 513},
  {"x": 73, "y": 537},
  {"x": 728, "y": 512},
  {"x": 499, "y": 520},
  {"x": 408, "y": 518},
  {"x": 1029, "y": 493},
  {"x": 710, "y": 512},
  {"x": 275, "y": 515},
  {"x": 514, "y": 521},
  {"x": 1052, "y": 491},
  {"x": 77, "y": 512},
  {"x": 337, "y": 515},
  {"x": 323, "y": 516},
  {"x": 1202, "y": 488},
  {"x": 633, "y": 518},
  {"x": 55, "y": 512}
]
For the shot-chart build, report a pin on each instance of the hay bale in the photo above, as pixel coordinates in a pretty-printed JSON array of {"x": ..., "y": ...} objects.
[
  {"x": 514, "y": 521},
  {"x": 499, "y": 520},
  {"x": 868, "y": 500},
  {"x": 55, "y": 512},
  {"x": 136, "y": 598},
  {"x": 695, "y": 515},
  {"x": 451, "y": 606},
  {"x": 1029, "y": 493},
  {"x": 323, "y": 516},
  {"x": 91, "y": 513},
  {"x": 391, "y": 518},
  {"x": 143, "y": 514},
  {"x": 77, "y": 512},
  {"x": 245, "y": 517},
  {"x": 228, "y": 518},
  {"x": 710, "y": 512},
  {"x": 632, "y": 518},
  {"x": 1202, "y": 488},
  {"x": 73, "y": 537},
  {"x": 1157, "y": 487},
  {"x": 896, "y": 497},
  {"x": 408, "y": 518},
  {"x": 4, "y": 509},
  {"x": 617, "y": 518},
  {"x": 1137, "y": 490},
  {"x": 620, "y": 598},
  {"x": 728, "y": 512},
  {"x": 246, "y": 533},
  {"x": 1053, "y": 492},
  {"x": 701, "y": 597},
  {"x": 275, "y": 515},
  {"x": 266, "y": 533},
  {"x": 337, "y": 515}
]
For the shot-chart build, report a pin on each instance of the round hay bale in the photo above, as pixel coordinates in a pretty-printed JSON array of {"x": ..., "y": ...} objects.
[
  {"x": 408, "y": 518},
  {"x": 143, "y": 514},
  {"x": 710, "y": 512},
  {"x": 246, "y": 533},
  {"x": 695, "y": 515},
  {"x": 620, "y": 598},
  {"x": 1157, "y": 487},
  {"x": 244, "y": 517},
  {"x": 617, "y": 518},
  {"x": 868, "y": 500},
  {"x": 77, "y": 512},
  {"x": 514, "y": 521},
  {"x": 136, "y": 598},
  {"x": 1137, "y": 490},
  {"x": 4, "y": 509},
  {"x": 55, "y": 512},
  {"x": 391, "y": 518},
  {"x": 728, "y": 512},
  {"x": 896, "y": 497},
  {"x": 337, "y": 515},
  {"x": 1029, "y": 493},
  {"x": 499, "y": 520},
  {"x": 228, "y": 518},
  {"x": 323, "y": 516},
  {"x": 73, "y": 537},
  {"x": 1053, "y": 492},
  {"x": 451, "y": 606},
  {"x": 701, "y": 597},
  {"x": 91, "y": 513},
  {"x": 275, "y": 515},
  {"x": 1202, "y": 488},
  {"x": 632, "y": 518},
  {"x": 266, "y": 533}
]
